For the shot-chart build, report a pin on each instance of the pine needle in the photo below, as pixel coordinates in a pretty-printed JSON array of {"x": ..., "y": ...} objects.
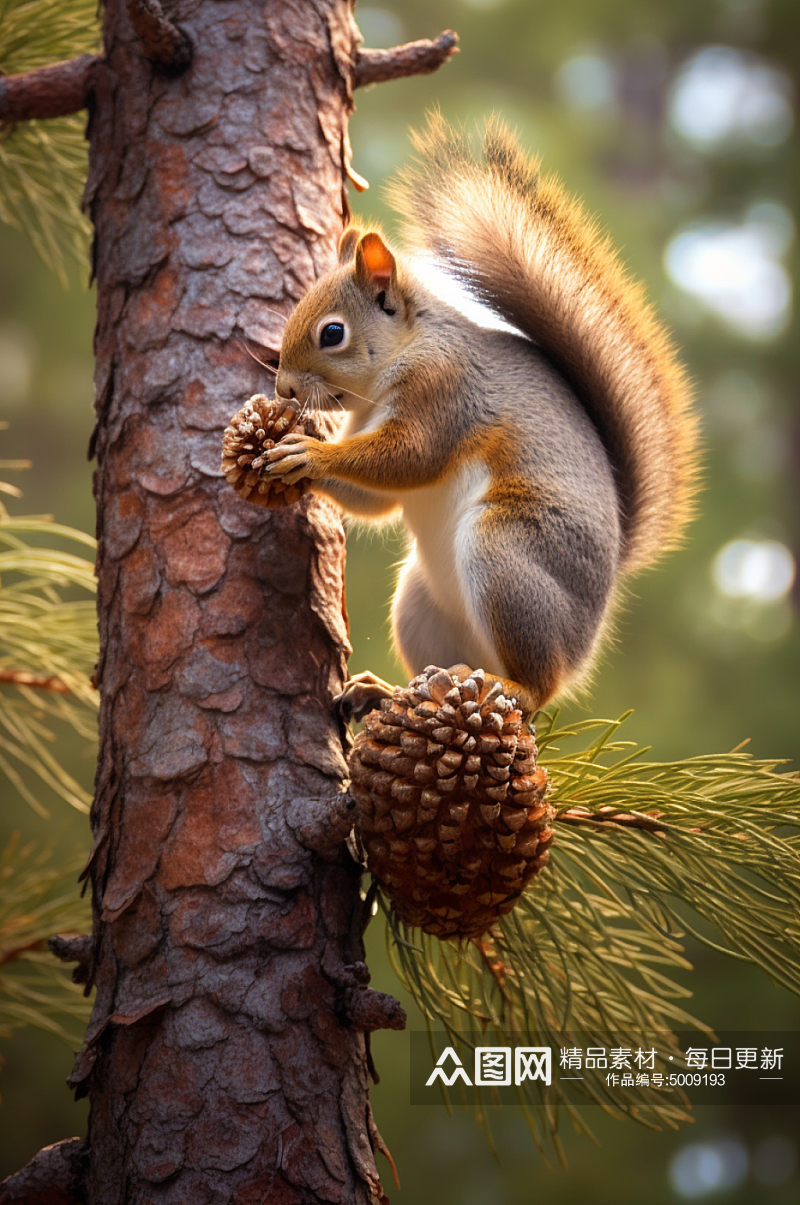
[
  {"x": 47, "y": 632},
  {"x": 39, "y": 899},
  {"x": 644, "y": 852},
  {"x": 43, "y": 163}
]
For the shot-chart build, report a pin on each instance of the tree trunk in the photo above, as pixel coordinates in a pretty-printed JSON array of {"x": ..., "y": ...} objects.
[{"x": 222, "y": 1061}]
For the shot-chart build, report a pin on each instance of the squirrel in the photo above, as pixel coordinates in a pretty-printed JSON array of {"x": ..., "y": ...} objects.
[{"x": 535, "y": 467}]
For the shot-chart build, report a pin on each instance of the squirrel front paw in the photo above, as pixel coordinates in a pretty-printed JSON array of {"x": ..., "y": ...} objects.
[
  {"x": 296, "y": 456},
  {"x": 361, "y": 695}
]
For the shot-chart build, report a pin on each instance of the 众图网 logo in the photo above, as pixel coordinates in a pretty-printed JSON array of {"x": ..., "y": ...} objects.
[{"x": 494, "y": 1066}]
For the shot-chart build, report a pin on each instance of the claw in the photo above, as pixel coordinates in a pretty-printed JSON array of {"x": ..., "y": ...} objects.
[
  {"x": 361, "y": 695},
  {"x": 291, "y": 459}
]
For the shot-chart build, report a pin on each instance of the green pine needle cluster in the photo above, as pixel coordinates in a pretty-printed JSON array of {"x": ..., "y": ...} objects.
[
  {"x": 48, "y": 647},
  {"x": 644, "y": 853},
  {"x": 43, "y": 163},
  {"x": 47, "y": 630},
  {"x": 39, "y": 898}
]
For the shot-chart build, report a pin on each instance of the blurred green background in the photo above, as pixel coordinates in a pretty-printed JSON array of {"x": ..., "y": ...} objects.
[{"x": 677, "y": 124}]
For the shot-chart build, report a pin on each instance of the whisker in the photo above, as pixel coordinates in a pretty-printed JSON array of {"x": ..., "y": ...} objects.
[
  {"x": 276, "y": 313},
  {"x": 263, "y": 363},
  {"x": 380, "y": 405},
  {"x": 335, "y": 399}
]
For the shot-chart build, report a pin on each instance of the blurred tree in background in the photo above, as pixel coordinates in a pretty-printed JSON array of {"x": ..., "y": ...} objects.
[{"x": 677, "y": 124}]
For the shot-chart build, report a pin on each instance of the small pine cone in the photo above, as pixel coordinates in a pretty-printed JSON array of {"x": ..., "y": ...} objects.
[
  {"x": 451, "y": 804},
  {"x": 253, "y": 431}
]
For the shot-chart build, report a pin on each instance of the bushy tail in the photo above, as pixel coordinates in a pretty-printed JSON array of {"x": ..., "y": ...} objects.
[{"x": 531, "y": 252}]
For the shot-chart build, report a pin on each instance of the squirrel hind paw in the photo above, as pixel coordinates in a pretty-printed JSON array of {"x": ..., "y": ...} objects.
[{"x": 361, "y": 695}]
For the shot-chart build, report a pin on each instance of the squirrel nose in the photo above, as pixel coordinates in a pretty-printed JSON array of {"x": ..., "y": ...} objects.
[{"x": 285, "y": 385}]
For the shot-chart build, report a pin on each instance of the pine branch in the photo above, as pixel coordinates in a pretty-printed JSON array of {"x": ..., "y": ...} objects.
[
  {"x": 19, "y": 677},
  {"x": 609, "y": 817},
  {"x": 581, "y": 958},
  {"x": 17, "y": 951},
  {"x": 163, "y": 43},
  {"x": 369, "y": 1010},
  {"x": 413, "y": 58},
  {"x": 53, "y": 91},
  {"x": 78, "y": 948},
  {"x": 54, "y": 1176},
  {"x": 47, "y": 57}
]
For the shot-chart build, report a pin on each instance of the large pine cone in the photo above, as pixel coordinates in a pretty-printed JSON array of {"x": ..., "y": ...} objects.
[
  {"x": 252, "y": 432},
  {"x": 452, "y": 809}
]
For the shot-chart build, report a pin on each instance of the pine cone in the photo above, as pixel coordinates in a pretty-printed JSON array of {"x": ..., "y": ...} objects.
[
  {"x": 253, "y": 430},
  {"x": 452, "y": 810}
]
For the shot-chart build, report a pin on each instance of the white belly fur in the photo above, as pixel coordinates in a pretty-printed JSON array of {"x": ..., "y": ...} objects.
[{"x": 441, "y": 519}]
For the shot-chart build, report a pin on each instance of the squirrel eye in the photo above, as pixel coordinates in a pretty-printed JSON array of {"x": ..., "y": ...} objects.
[{"x": 332, "y": 334}]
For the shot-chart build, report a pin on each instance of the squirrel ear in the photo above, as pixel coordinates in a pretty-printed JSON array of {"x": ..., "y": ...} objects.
[
  {"x": 347, "y": 244},
  {"x": 375, "y": 264}
]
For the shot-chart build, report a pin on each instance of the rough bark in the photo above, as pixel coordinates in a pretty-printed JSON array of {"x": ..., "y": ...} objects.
[
  {"x": 221, "y": 1061},
  {"x": 52, "y": 91}
]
